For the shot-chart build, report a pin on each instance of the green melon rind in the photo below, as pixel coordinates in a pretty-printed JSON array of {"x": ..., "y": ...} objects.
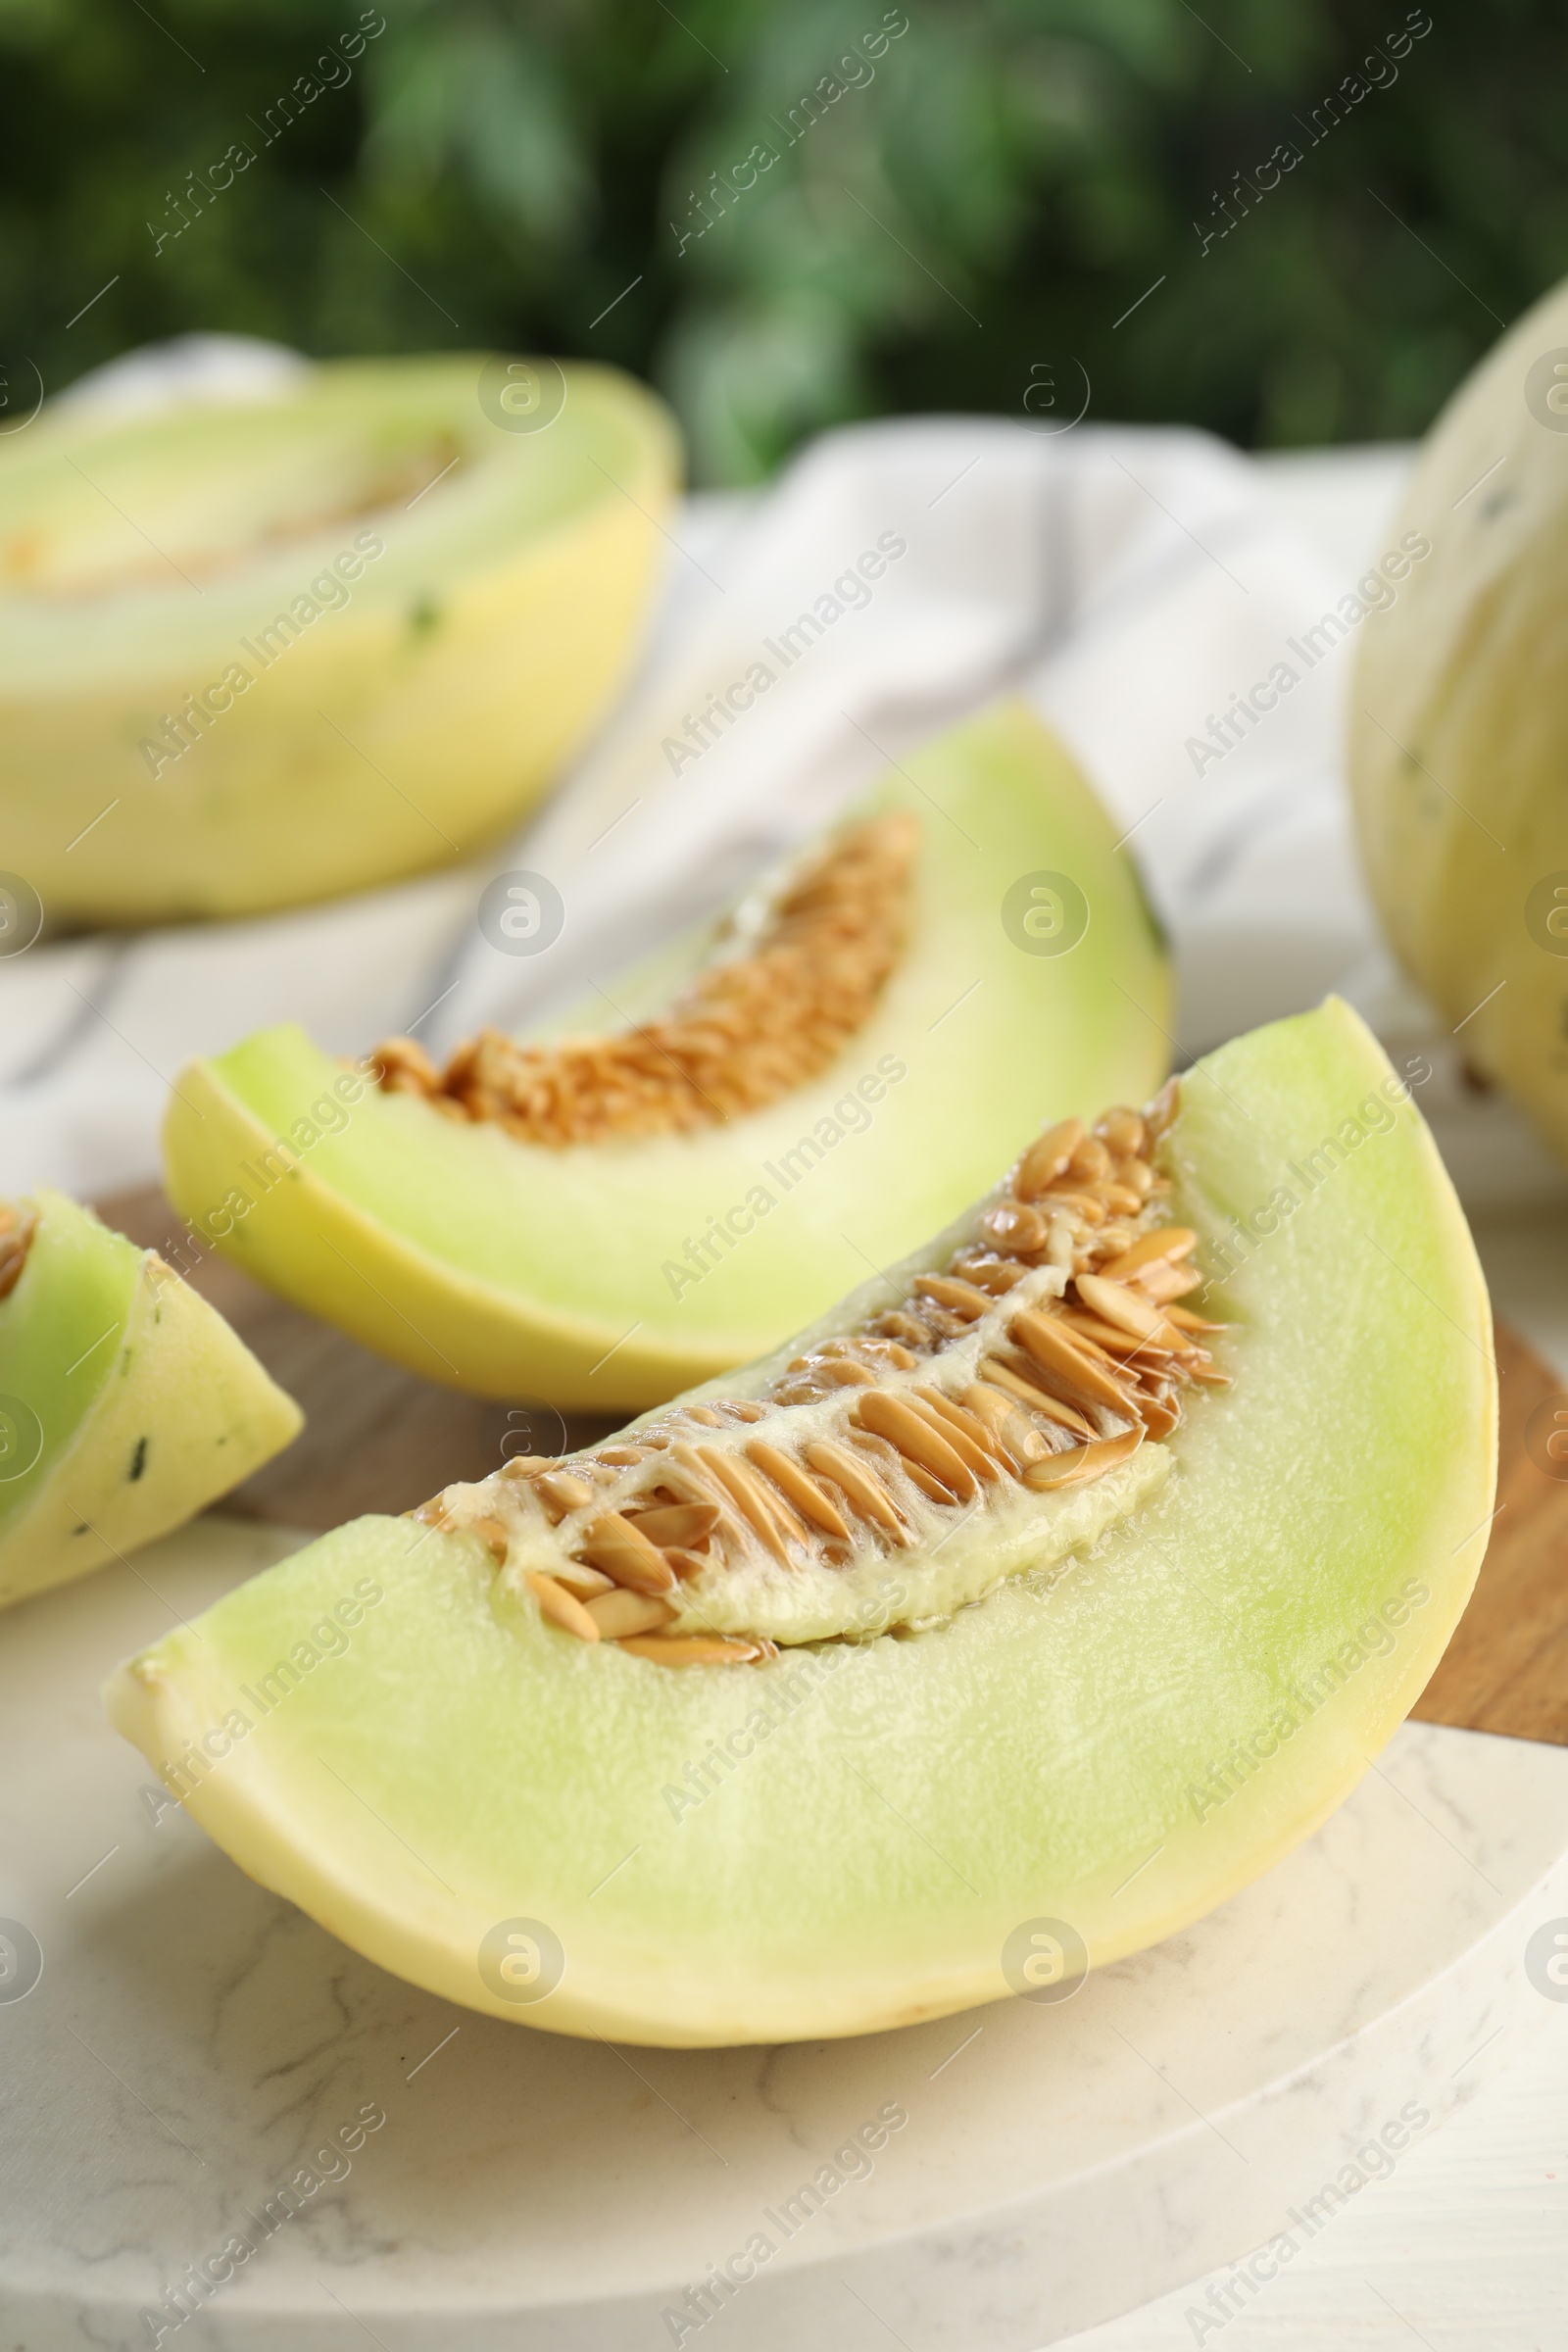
[
  {"x": 150, "y": 1405},
  {"x": 509, "y": 1268},
  {"x": 1054, "y": 1753}
]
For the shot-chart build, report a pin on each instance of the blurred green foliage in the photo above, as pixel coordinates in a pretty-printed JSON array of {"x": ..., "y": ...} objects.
[{"x": 984, "y": 196}]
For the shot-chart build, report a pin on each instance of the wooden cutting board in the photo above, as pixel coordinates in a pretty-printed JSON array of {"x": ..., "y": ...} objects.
[
  {"x": 377, "y": 1439},
  {"x": 1506, "y": 1668}
]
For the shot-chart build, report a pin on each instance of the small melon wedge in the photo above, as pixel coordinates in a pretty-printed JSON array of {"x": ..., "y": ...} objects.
[
  {"x": 608, "y": 1275},
  {"x": 859, "y": 1832},
  {"x": 126, "y": 1403}
]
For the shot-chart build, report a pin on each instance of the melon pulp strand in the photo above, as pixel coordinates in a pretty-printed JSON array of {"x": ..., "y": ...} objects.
[
  {"x": 610, "y": 1275},
  {"x": 861, "y": 1834}
]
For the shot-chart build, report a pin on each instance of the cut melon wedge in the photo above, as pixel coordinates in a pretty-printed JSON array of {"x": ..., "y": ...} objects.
[
  {"x": 865, "y": 1831},
  {"x": 609, "y": 1274},
  {"x": 262, "y": 652},
  {"x": 126, "y": 1403}
]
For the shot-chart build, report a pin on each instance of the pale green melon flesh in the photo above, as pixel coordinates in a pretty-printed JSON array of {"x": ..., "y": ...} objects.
[
  {"x": 585, "y": 1248},
  {"x": 1118, "y": 1744},
  {"x": 143, "y": 1404}
]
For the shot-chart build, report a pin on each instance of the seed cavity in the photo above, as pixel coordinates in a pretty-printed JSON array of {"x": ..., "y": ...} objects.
[
  {"x": 1040, "y": 1357},
  {"x": 785, "y": 991}
]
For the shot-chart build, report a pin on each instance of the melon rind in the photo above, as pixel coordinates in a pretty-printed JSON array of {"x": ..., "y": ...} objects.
[
  {"x": 1104, "y": 1746},
  {"x": 150, "y": 1406},
  {"x": 512, "y": 1269}
]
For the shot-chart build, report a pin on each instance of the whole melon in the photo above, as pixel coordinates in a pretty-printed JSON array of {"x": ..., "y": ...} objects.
[{"x": 1458, "y": 731}]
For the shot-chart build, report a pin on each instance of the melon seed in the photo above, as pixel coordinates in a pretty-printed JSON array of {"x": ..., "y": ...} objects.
[
  {"x": 1161, "y": 1242},
  {"x": 561, "y": 1493},
  {"x": 1123, "y": 1133},
  {"x": 1083, "y": 1463},
  {"x": 677, "y": 1523},
  {"x": 968, "y": 1437},
  {"x": 891, "y": 1417},
  {"x": 563, "y": 1607},
  {"x": 1063, "y": 1362},
  {"x": 771, "y": 1519},
  {"x": 803, "y": 1491},
  {"x": 614, "y": 1615},
  {"x": 697, "y": 1649},
  {"x": 962, "y": 1299},
  {"x": 1047, "y": 1157},
  {"x": 625, "y": 1556},
  {"x": 864, "y": 1492},
  {"x": 1028, "y": 1391},
  {"x": 1114, "y": 1303}
]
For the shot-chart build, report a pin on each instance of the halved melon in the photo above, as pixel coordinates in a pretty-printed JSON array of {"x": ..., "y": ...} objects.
[
  {"x": 606, "y": 1220},
  {"x": 126, "y": 1403},
  {"x": 1056, "y": 1610},
  {"x": 262, "y": 653}
]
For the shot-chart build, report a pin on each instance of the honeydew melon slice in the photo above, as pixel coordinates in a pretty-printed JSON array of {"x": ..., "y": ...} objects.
[
  {"x": 126, "y": 1403},
  {"x": 857, "y": 1833},
  {"x": 591, "y": 1273},
  {"x": 260, "y": 653}
]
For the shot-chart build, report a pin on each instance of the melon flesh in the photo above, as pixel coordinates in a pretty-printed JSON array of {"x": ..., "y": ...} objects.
[
  {"x": 126, "y": 1403},
  {"x": 851, "y": 1835},
  {"x": 510, "y": 1268}
]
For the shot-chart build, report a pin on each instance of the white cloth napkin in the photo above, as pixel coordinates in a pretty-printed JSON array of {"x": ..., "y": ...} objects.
[{"x": 1133, "y": 582}]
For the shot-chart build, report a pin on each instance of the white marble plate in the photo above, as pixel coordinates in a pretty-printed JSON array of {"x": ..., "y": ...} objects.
[{"x": 193, "y": 2045}]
